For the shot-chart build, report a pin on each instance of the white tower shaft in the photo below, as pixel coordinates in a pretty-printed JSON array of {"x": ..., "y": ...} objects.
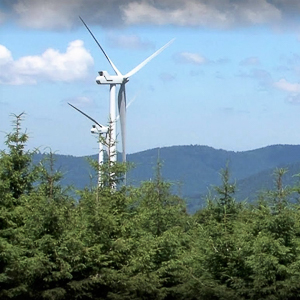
[
  {"x": 100, "y": 162},
  {"x": 113, "y": 133}
]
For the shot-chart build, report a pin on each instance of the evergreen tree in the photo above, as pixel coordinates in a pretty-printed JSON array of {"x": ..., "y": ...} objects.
[
  {"x": 17, "y": 177},
  {"x": 157, "y": 238}
]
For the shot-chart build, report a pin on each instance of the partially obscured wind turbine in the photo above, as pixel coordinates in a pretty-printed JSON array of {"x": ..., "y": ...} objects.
[
  {"x": 102, "y": 132},
  {"x": 105, "y": 78}
]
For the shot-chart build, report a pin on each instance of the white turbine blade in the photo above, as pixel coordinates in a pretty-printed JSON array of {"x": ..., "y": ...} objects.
[
  {"x": 109, "y": 60},
  {"x": 127, "y": 105},
  {"x": 122, "y": 114},
  {"x": 131, "y": 101},
  {"x": 86, "y": 115},
  {"x": 136, "y": 69}
]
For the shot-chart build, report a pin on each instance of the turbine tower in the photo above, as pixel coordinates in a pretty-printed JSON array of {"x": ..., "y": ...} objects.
[
  {"x": 102, "y": 132},
  {"x": 112, "y": 81}
]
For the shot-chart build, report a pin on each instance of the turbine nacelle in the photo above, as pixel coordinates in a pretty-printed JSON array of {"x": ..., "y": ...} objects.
[
  {"x": 105, "y": 78},
  {"x": 96, "y": 129}
]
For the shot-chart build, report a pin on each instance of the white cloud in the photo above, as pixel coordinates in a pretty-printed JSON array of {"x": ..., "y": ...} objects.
[
  {"x": 51, "y": 65},
  {"x": 284, "y": 85},
  {"x": 292, "y": 88},
  {"x": 5, "y": 56},
  {"x": 190, "y": 58}
]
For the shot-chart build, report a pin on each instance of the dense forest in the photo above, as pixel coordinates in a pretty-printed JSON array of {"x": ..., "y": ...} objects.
[{"x": 103, "y": 242}]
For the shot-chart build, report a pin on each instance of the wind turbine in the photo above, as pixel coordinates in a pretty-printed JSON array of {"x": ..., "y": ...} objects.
[
  {"x": 112, "y": 81},
  {"x": 102, "y": 132}
]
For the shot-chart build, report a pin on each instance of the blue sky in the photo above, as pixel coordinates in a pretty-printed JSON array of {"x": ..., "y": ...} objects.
[{"x": 230, "y": 80}]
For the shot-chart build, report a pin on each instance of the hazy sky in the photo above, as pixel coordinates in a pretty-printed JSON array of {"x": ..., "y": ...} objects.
[{"x": 230, "y": 80}]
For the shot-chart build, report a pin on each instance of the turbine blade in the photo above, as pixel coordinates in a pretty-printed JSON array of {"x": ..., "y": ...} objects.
[
  {"x": 86, "y": 115},
  {"x": 122, "y": 114},
  {"x": 131, "y": 101},
  {"x": 136, "y": 69},
  {"x": 109, "y": 60},
  {"x": 127, "y": 105}
]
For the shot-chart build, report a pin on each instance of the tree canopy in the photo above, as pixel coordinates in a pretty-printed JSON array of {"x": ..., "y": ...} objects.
[{"x": 128, "y": 242}]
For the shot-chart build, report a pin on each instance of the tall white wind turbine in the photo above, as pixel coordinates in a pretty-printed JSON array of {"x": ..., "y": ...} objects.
[
  {"x": 112, "y": 81},
  {"x": 102, "y": 132}
]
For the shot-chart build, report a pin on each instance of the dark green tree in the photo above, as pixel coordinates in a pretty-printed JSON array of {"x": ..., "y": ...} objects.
[
  {"x": 17, "y": 178},
  {"x": 158, "y": 226}
]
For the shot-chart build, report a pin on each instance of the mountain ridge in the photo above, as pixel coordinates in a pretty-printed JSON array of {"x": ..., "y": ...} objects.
[{"x": 193, "y": 169}]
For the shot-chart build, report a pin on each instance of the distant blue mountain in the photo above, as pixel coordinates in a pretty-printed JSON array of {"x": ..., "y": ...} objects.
[{"x": 193, "y": 169}]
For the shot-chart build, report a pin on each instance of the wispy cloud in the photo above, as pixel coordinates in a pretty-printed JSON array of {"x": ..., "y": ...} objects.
[
  {"x": 250, "y": 61},
  {"x": 232, "y": 110},
  {"x": 50, "y": 65},
  {"x": 129, "y": 42},
  {"x": 80, "y": 101},
  {"x": 290, "y": 63},
  {"x": 293, "y": 99},
  {"x": 222, "y": 60},
  {"x": 166, "y": 77},
  {"x": 190, "y": 58},
  {"x": 263, "y": 77}
]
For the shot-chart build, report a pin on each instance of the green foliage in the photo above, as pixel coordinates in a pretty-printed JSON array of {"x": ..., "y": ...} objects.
[
  {"x": 16, "y": 176},
  {"x": 113, "y": 241},
  {"x": 16, "y": 183}
]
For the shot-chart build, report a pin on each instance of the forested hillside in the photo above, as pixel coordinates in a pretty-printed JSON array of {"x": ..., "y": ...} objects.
[
  {"x": 194, "y": 170},
  {"x": 139, "y": 242}
]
